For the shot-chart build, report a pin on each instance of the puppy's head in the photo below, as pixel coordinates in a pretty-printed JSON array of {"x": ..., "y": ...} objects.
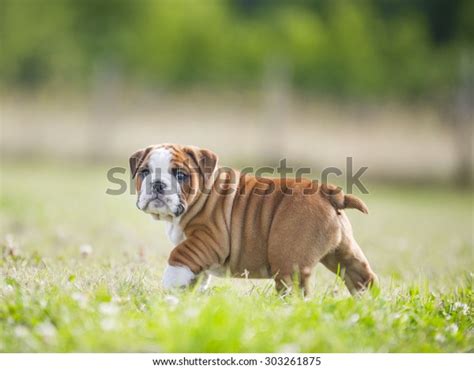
[{"x": 169, "y": 178}]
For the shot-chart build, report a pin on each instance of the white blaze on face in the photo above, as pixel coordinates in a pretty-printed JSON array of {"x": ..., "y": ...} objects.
[{"x": 149, "y": 201}]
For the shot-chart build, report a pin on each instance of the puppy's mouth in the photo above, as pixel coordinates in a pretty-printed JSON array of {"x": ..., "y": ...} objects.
[
  {"x": 157, "y": 205},
  {"x": 152, "y": 203}
]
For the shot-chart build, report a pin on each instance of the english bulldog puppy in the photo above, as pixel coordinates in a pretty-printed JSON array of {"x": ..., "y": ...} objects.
[{"x": 223, "y": 222}]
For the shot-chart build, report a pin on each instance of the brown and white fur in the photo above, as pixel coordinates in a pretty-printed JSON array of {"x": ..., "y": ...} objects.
[{"x": 222, "y": 222}]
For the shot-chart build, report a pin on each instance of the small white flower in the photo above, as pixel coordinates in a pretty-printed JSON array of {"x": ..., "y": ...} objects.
[
  {"x": 46, "y": 330},
  {"x": 8, "y": 290},
  {"x": 289, "y": 348},
  {"x": 108, "y": 324},
  {"x": 248, "y": 334},
  {"x": 85, "y": 249},
  {"x": 440, "y": 338},
  {"x": 21, "y": 331},
  {"x": 191, "y": 313},
  {"x": 80, "y": 298},
  {"x": 287, "y": 311},
  {"x": 452, "y": 328},
  {"x": 354, "y": 318},
  {"x": 108, "y": 308},
  {"x": 463, "y": 308},
  {"x": 171, "y": 300},
  {"x": 118, "y": 299}
]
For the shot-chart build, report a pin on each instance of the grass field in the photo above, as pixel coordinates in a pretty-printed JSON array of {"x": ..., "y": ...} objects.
[{"x": 80, "y": 271}]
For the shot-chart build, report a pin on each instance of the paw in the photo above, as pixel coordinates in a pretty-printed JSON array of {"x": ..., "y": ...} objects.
[
  {"x": 177, "y": 277},
  {"x": 205, "y": 281}
]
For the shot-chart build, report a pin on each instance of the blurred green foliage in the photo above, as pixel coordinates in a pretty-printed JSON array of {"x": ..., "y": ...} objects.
[{"x": 357, "y": 48}]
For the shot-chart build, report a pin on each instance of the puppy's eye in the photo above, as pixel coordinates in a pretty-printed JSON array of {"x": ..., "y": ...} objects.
[
  {"x": 143, "y": 173},
  {"x": 180, "y": 175}
]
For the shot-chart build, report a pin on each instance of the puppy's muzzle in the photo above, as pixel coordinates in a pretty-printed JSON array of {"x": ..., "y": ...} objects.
[{"x": 158, "y": 187}]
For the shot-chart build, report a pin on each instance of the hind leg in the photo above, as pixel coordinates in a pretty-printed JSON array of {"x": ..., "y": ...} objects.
[
  {"x": 284, "y": 281},
  {"x": 294, "y": 262},
  {"x": 298, "y": 242},
  {"x": 349, "y": 258},
  {"x": 354, "y": 267}
]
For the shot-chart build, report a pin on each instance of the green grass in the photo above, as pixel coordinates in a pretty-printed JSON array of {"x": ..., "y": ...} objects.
[{"x": 418, "y": 240}]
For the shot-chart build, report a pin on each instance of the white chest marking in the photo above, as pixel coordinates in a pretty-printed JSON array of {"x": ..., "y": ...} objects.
[{"x": 175, "y": 233}]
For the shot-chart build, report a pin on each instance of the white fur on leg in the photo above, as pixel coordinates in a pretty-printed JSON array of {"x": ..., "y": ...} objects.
[
  {"x": 177, "y": 276},
  {"x": 206, "y": 279}
]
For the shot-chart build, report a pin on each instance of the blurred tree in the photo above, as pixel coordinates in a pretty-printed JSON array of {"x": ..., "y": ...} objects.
[{"x": 356, "y": 49}]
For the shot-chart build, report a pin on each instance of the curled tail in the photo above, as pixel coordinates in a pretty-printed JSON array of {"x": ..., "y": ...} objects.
[{"x": 340, "y": 201}]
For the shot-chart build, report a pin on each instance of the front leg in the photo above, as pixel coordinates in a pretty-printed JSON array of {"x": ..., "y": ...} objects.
[
  {"x": 205, "y": 281},
  {"x": 177, "y": 277},
  {"x": 190, "y": 258},
  {"x": 182, "y": 276}
]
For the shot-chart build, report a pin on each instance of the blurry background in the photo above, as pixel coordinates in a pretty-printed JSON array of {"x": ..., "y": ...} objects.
[
  {"x": 390, "y": 83},
  {"x": 387, "y": 82}
]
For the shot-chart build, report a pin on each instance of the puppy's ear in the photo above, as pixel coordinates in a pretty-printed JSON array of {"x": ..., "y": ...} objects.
[
  {"x": 205, "y": 159},
  {"x": 137, "y": 158}
]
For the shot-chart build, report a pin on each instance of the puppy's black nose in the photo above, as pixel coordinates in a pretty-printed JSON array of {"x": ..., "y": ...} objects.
[{"x": 158, "y": 186}]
